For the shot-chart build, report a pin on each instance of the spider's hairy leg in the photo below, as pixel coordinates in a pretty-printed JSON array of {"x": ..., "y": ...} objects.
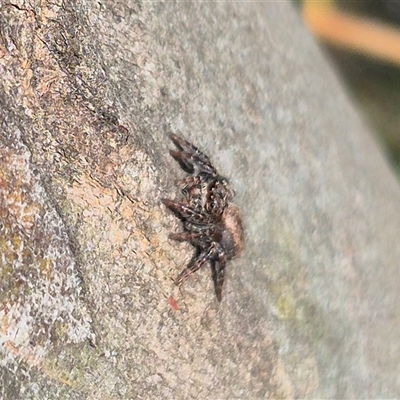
[
  {"x": 193, "y": 163},
  {"x": 191, "y": 188},
  {"x": 190, "y": 158},
  {"x": 184, "y": 212},
  {"x": 195, "y": 264},
  {"x": 184, "y": 145},
  {"x": 218, "y": 274},
  {"x": 190, "y": 184},
  {"x": 185, "y": 236}
]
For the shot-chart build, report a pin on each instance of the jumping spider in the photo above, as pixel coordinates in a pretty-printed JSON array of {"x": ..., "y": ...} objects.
[{"x": 211, "y": 223}]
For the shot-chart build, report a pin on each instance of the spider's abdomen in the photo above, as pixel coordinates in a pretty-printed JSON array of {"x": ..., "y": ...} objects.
[{"x": 232, "y": 240}]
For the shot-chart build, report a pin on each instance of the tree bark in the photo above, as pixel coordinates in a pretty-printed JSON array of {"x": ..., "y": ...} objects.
[{"x": 89, "y": 93}]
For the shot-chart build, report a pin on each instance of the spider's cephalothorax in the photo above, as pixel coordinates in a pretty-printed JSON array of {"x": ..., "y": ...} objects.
[{"x": 211, "y": 223}]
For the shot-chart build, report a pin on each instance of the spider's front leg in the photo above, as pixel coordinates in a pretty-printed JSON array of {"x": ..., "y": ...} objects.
[
  {"x": 191, "y": 188},
  {"x": 185, "y": 236},
  {"x": 191, "y": 185},
  {"x": 185, "y": 212},
  {"x": 190, "y": 158}
]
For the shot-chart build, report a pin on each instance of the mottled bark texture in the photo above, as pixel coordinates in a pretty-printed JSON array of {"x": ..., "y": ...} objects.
[{"x": 89, "y": 92}]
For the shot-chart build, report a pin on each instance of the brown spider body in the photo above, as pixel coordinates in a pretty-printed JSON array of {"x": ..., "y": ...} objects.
[{"x": 211, "y": 223}]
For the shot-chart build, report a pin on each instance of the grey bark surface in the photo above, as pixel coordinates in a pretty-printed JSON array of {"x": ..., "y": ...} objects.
[{"x": 89, "y": 92}]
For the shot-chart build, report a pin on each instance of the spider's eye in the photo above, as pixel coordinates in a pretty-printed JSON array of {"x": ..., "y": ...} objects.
[{"x": 211, "y": 205}]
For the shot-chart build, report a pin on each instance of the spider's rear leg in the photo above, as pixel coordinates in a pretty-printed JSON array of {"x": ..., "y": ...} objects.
[
  {"x": 195, "y": 264},
  {"x": 218, "y": 274}
]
